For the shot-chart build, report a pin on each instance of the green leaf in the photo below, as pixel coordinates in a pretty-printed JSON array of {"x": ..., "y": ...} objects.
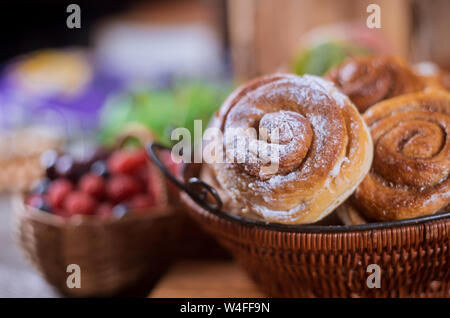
[{"x": 163, "y": 110}]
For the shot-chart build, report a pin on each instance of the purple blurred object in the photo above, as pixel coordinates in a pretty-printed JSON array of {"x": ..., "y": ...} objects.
[{"x": 55, "y": 88}]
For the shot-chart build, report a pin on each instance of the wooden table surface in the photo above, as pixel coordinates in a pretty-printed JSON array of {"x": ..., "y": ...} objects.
[{"x": 205, "y": 279}]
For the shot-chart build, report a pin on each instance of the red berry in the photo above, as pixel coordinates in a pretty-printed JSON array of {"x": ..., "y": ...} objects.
[
  {"x": 122, "y": 187},
  {"x": 127, "y": 162},
  {"x": 93, "y": 185},
  {"x": 80, "y": 203},
  {"x": 104, "y": 210},
  {"x": 58, "y": 190},
  {"x": 141, "y": 201},
  {"x": 141, "y": 174}
]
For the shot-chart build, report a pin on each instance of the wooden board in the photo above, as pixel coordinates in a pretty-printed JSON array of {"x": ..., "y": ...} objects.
[
  {"x": 205, "y": 279},
  {"x": 264, "y": 34}
]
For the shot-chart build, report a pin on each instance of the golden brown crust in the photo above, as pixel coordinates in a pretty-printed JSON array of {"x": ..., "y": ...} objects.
[
  {"x": 369, "y": 80},
  {"x": 410, "y": 172},
  {"x": 325, "y": 148},
  {"x": 439, "y": 81}
]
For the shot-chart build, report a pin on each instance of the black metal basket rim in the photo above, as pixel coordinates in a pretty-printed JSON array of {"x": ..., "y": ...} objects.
[
  {"x": 294, "y": 228},
  {"x": 311, "y": 228}
]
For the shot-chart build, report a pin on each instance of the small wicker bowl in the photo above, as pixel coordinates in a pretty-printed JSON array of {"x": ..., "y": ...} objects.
[
  {"x": 113, "y": 255},
  {"x": 326, "y": 261}
]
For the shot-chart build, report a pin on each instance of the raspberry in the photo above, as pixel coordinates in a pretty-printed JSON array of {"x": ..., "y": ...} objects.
[
  {"x": 122, "y": 187},
  {"x": 104, "y": 210},
  {"x": 58, "y": 190},
  {"x": 141, "y": 201},
  {"x": 80, "y": 203},
  {"x": 127, "y": 162},
  {"x": 141, "y": 174},
  {"x": 93, "y": 185}
]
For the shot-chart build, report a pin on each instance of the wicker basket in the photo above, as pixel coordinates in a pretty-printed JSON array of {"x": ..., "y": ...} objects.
[
  {"x": 327, "y": 261},
  {"x": 113, "y": 255}
]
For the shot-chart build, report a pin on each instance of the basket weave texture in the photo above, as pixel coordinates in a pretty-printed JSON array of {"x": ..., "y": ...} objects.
[
  {"x": 414, "y": 259},
  {"x": 112, "y": 255}
]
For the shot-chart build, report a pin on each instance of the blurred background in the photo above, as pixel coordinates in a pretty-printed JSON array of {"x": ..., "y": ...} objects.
[{"x": 163, "y": 64}]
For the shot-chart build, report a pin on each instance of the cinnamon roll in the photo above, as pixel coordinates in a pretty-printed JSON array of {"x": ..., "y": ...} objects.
[
  {"x": 324, "y": 148},
  {"x": 410, "y": 171},
  {"x": 371, "y": 79}
]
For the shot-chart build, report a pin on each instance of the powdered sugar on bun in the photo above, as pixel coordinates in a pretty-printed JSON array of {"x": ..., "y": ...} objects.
[{"x": 324, "y": 148}]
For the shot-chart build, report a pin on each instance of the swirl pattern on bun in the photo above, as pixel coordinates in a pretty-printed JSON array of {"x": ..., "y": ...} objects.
[
  {"x": 324, "y": 148},
  {"x": 371, "y": 79},
  {"x": 411, "y": 166}
]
